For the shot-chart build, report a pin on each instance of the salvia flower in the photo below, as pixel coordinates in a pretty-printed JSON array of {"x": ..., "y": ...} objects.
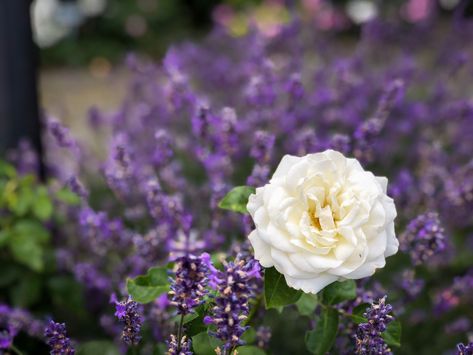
[
  {"x": 368, "y": 335},
  {"x": 231, "y": 305},
  {"x": 130, "y": 314},
  {"x": 57, "y": 339},
  {"x": 174, "y": 348},
  {"x": 465, "y": 349},
  {"x": 423, "y": 238},
  {"x": 189, "y": 284}
]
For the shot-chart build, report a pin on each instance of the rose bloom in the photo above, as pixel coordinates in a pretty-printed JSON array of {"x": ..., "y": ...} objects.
[{"x": 322, "y": 218}]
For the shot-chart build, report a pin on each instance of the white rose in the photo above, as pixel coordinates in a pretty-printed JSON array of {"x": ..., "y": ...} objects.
[{"x": 322, "y": 218}]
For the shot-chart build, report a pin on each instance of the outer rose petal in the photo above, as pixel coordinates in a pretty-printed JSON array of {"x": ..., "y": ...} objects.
[
  {"x": 313, "y": 285},
  {"x": 262, "y": 250}
]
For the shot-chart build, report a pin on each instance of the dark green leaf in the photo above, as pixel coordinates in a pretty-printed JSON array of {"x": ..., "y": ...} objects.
[
  {"x": 307, "y": 304},
  {"x": 276, "y": 292},
  {"x": 249, "y": 336},
  {"x": 102, "y": 347},
  {"x": 357, "y": 313},
  {"x": 4, "y": 236},
  {"x": 204, "y": 344},
  {"x": 146, "y": 288},
  {"x": 237, "y": 199},
  {"x": 27, "y": 292},
  {"x": 250, "y": 350},
  {"x": 320, "y": 340},
  {"x": 392, "y": 334},
  {"x": 338, "y": 292}
]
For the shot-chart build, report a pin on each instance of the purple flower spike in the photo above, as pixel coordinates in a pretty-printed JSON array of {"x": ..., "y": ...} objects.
[
  {"x": 57, "y": 339},
  {"x": 465, "y": 349},
  {"x": 130, "y": 314}
]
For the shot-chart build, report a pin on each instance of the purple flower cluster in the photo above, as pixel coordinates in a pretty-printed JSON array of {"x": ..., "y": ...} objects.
[
  {"x": 423, "y": 238},
  {"x": 231, "y": 308},
  {"x": 57, "y": 339},
  {"x": 176, "y": 348},
  {"x": 130, "y": 314},
  {"x": 188, "y": 287},
  {"x": 465, "y": 349},
  {"x": 368, "y": 335}
]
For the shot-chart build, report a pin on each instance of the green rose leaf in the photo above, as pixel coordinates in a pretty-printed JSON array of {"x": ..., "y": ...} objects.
[
  {"x": 307, "y": 304},
  {"x": 237, "y": 199},
  {"x": 392, "y": 334},
  {"x": 250, "y": 350},
  {"x": 204, "y": 344},
  {"x": 103, "y": 347},
  {"x": 338, "y": 292},
  {"x": 357, "y": 313},
  {"x": 146, "y": 288},
  {"x": 320, "y": 340},
  {"x": 276, "y": 292}
]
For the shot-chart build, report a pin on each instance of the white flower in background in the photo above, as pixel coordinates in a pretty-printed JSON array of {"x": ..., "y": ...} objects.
[{"x": 322, "y": 218}]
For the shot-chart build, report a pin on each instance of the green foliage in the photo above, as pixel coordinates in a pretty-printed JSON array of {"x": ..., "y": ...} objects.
[
  {"x": 146, "y": 288},
  {"x": 102, "y": 347},
  {"x": 250, "y": 350},
  {"x": 320, "y": 340},
  {"x": 338, "y": 292},
  {"x": 237, "y": 199},
  {"x": 392, "y": 334},
  {"x": 276, "y": 292},
  {"x": 307, "y": 304},
  {"x": 204, "y": 344}
]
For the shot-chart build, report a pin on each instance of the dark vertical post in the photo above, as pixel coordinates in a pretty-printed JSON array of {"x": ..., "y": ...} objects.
[{"x": 19, "y": 112}]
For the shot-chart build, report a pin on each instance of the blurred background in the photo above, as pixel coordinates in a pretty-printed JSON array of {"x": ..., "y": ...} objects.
[{"x": 82, "y": 43}]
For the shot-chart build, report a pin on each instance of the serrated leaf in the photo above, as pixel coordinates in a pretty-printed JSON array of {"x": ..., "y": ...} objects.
[
  {"x": 338, "y": 292},
  {"x": 276, "y": 291},
  {"x": 250, "y": 350},
  {"x": 204, "y": 344},
  {"x": 320, "y": 340},
  {"x": 237, "y": 199},
  {"x": 307, "y": 304},
  {"x": 102, "y": 347},
  {"x": 146, "y": 288},
  {"x": 392, "y": 334}
]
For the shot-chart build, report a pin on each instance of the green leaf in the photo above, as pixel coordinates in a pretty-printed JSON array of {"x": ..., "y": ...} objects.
[
  {"x": 146, "y": 288},
  {"x": 204, "y": 344},
  {"x": 4, "y": 236},
  {"x": 338, "y": 292},
  {"x": 357, "y": 313},
  {"x": 249, "y": 336},
  {"x": 27, "y": 243},
  {"x": 392, "y": 334},
  {"x": 27, "y": 292},
  {"x": 42, "y": 205},
  {"x": 102, "y": 347},
  {"x": 237, "y": 199},
  {"x": 307, "y": 304},
  {"x": 250, "y": 350},
  {"x": 320, "y": 340},
  {"x": 276, "y": 292},
  {"x": 67, "y": 196}
]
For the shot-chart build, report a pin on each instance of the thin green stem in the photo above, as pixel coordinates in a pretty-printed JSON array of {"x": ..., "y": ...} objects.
[
  {"x": 16, "y": 350},
  {"x": 179, "y": 333}
]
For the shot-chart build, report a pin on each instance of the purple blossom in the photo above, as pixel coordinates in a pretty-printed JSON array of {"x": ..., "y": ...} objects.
[
  {"x": 182, "y": 348},
  {"x": 7, "y": 336},
  {"x": 130, "y": 314},
  {"x": 231, "y": 308},
  {"x": 368, "y": 335},
  {"x": 189, "y": 284},
  {"x": 423, "y": 238},
  {"x": 57, "y": 339},
  {"x": 465, "y": 349}
]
